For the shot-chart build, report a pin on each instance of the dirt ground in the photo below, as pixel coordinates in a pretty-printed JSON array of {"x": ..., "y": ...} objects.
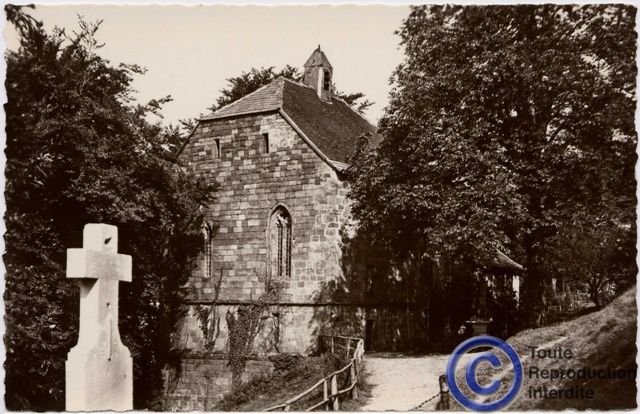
[{"x": 401, "y": 383}]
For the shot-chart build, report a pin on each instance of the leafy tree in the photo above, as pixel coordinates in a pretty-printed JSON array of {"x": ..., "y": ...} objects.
[
  {"x": 80, "y": 151},
  {"x": 503, "y": 124},
  {"x": 253, "y": 80},
  {"x": 596, "y": 257}
]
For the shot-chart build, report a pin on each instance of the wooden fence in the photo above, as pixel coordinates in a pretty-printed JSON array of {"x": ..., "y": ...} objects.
[{"x": 331, "y": 394}]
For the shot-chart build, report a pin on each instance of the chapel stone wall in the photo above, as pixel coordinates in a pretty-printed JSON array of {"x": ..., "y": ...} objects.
[{"x": 252, "y": 184}]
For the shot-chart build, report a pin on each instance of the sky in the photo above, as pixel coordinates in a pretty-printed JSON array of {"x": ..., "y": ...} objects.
[{"x": 190, "y": 51}]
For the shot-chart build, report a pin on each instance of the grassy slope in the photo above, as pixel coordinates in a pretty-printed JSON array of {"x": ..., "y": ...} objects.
[
  {"x": 266, "y": 391},
  {"x": 598, "y": 340}
]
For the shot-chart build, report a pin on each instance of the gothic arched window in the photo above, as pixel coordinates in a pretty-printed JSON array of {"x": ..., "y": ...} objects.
[
  {"x": 280, "y": 242},
  {"x": 207, "y": 265}
]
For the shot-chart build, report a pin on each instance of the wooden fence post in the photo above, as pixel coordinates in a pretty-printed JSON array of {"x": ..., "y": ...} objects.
[
  {"x": 353, "y": 373},
  {"x": 325, "y": 394},
  {"x": 334, "y": 392},
  {"x": 444, "y": 394}
]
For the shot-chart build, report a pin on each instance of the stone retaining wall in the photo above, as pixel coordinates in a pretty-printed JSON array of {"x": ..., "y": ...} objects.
[{"x": 203, "y": 381}]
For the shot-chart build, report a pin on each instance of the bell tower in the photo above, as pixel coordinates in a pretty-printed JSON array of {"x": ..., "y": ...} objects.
[{"x": 318, "y": 74}]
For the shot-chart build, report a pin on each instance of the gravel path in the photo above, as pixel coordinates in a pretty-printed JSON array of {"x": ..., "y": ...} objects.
[{"x": 402, "y": 383}]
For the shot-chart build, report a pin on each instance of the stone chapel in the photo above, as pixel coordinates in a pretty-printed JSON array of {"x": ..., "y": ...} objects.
[{"x": 278, "y": 155}]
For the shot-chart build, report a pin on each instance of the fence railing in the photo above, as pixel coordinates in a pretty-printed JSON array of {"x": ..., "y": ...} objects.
[{"x": 331, "y": 394}]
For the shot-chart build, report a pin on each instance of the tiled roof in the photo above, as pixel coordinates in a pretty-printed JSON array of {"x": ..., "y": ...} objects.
[
  {"x": 267, "y": 98},
  {"x": 332, "y": 127},
  {"x": 503, "y": 261}
]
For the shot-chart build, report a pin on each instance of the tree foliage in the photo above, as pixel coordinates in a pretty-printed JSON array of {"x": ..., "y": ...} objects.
[
  {"x": 597, "y": 256},
  {"x": 253, "y": 80},
  {"x": 80, "y": 151},
  {"x": 504, "y": 123}
]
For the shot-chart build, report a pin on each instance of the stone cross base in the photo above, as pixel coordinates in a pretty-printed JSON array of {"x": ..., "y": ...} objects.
[{"x": 104, "y": 384}]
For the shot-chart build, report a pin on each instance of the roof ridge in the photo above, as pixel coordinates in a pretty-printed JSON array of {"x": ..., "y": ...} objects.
[
  {"x": 359, "y": 114},
  {"x": 297, "y": 83}
]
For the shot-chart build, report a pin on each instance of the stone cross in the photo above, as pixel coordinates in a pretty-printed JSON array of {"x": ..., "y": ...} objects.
[{"x": 99, "y": 370}]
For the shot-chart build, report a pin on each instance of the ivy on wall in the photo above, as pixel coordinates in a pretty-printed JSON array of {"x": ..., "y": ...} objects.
[
  {"x": 245, "y": 321},
  {"x": 209, "y": 318}
]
